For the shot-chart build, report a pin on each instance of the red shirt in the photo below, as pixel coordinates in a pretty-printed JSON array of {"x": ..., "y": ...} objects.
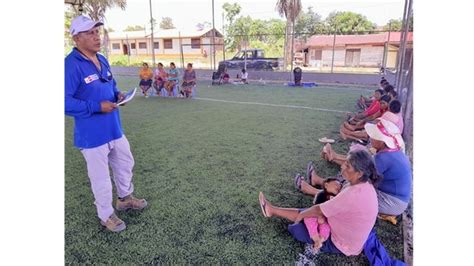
[{"x": 373, "y": 108}]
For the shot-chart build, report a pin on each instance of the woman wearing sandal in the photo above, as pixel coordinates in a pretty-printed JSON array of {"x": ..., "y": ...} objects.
[
  {"x": 351, "y": 214},
  {"x": 394, "y": 191}
]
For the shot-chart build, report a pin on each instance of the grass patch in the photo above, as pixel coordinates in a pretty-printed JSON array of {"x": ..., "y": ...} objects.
[{"x": 200, "y": 165}]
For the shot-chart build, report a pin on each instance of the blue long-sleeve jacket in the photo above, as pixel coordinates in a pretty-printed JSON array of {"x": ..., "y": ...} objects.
[{"x": 85, "y": 87}]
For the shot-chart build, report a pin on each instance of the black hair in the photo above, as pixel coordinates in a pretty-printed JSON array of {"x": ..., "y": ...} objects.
[
  {"x": 388, "y": 88},
  {"x": 328, "y": 180},
  {"x": 160, "y": 64},
  {"x": 363, "y": 162},
  {"x": 386, "y": 98},
  {"x": 172, "y": 64},
  {"x": 383, "y": 80},
  {"x": 190, "y": 64},
  {"x": 395, "y": 106},
  {"x": 243, "y": 70},
  {"x": 380, "y": 91},
  {"x": 145, "y": 64},
  {"x": 393, "y": 93},
  {"x": 325, "y": 194}
]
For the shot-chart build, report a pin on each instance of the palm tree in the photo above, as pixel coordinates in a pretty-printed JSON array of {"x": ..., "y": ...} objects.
[
  {"x": 95, "y": 9},
  {"x": 290, "y": 9}
]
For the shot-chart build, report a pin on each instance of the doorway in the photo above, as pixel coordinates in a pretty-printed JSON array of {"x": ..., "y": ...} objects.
[{"x": 125, "y": 49}]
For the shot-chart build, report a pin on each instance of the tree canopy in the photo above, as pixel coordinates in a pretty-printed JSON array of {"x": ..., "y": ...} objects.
[
  {"x": 348, "y": 23},
  {"x": 309, "y": 23},
  {"x": 166, "y": 23},
  {"x": 397, "y": 24},
  {"x": 134, "y": 28}
]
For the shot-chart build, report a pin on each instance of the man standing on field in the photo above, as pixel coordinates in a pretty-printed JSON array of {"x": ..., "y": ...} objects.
[{"x": 91, "y": 94}]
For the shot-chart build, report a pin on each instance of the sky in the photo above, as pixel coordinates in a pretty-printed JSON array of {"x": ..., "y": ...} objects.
[{"x": 186, "y": 14}]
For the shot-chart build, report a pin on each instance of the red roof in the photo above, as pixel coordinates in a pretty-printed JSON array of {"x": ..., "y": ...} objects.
[{"x": 381, "y": 38}]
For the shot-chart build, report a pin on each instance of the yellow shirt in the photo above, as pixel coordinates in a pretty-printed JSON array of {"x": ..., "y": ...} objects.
[{"x": 146, "y": 74}]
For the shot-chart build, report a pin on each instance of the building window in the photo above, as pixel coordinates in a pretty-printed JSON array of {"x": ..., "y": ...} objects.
[
  {"x": 132, "y": 46},
  {"x": 168, "y": 43},
  {"x": 352, "y": 57},
  {"x": 116, "y": 46},
  {"x": 196, "y": 43},
  {"x": 316, "y": 54},
  {"x": 142, "y": 45},
  {"x": 156, "y": 45}
]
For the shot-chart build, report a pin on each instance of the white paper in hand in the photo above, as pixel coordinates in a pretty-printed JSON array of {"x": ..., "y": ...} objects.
[{"x": 128, "y": 96}]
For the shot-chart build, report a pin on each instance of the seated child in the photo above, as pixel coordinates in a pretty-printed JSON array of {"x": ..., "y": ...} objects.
[
  {"x": 318, "y": 228},
  {"x": 393, "y": 94},
  {"x": 243, "y": 76},
  {"x": 364, "y": 102},
  {"x": 372, "y": 109},
  {"x": 225, "y": 77}
]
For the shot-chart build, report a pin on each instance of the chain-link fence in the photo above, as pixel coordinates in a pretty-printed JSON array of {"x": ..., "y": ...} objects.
[
  {"x": 352, "y": 52},
  {"x": 360, "y": 52}
]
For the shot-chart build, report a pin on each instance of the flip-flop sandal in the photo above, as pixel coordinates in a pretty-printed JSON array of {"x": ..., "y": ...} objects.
[
  {"x": 326, "y": 154},
  {"x": 309, "y": 170},
  {"x": 262, "y": 206},
  {"x": 298, "y": 178},
  {"x": 326, "y": 140}
]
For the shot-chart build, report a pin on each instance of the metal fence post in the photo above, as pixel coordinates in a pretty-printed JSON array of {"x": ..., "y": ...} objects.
[
  {"x": 181, "y": 50},
  {"x": 333, "y": 48},
  {"x": 387, "y": 47},
  {"x": 152, "y": 38}
]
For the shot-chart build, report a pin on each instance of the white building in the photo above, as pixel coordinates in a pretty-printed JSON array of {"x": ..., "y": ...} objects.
[{"x": 167, "y": 43}]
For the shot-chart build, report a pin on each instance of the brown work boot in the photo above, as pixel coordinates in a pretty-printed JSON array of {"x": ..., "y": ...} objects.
[
  {"x": 114, "y": 224},
  {"x": 130, "y": 202}
]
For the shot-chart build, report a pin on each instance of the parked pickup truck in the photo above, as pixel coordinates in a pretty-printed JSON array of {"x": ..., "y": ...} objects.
[{"x": 255, "y": 60}]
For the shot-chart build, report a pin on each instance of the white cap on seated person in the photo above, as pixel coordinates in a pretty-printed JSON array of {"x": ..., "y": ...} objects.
[
  {"x": 387, "y": 132},
  {"x": 82, "y": 23}
]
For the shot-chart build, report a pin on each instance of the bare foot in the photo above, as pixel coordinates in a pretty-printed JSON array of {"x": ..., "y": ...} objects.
[
  {"x": 343, "y": 136},
  {"x": 318, "y": 242},
  {"x": 329, "y": 152},
  {"x": 324, "y": 155}
]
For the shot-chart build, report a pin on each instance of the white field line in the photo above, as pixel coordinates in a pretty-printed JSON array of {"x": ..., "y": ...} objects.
[{"x": 273, "y": 105}]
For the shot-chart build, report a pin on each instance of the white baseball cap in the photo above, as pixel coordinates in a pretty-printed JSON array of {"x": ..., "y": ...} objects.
[
  {"x": 82, "y": 23},
  {"x": 387, "y": 132}
]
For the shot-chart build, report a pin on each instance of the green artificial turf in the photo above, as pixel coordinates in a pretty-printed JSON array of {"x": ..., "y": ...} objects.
[{"x": 200, "y": 164}]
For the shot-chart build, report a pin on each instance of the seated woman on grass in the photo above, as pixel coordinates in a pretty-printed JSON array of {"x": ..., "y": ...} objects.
[
  {"x": 172, "y": 79},
  {"x": 393, "y": 115},
  {"x": 349, "y": 131},
  {"x": 146, "y": 76},
  {"x": 394, "y": 190},
  {"x": 160, "y": 79},
  {"x": 189, "y": 81},
  {"x": 351, "y": 214}
]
